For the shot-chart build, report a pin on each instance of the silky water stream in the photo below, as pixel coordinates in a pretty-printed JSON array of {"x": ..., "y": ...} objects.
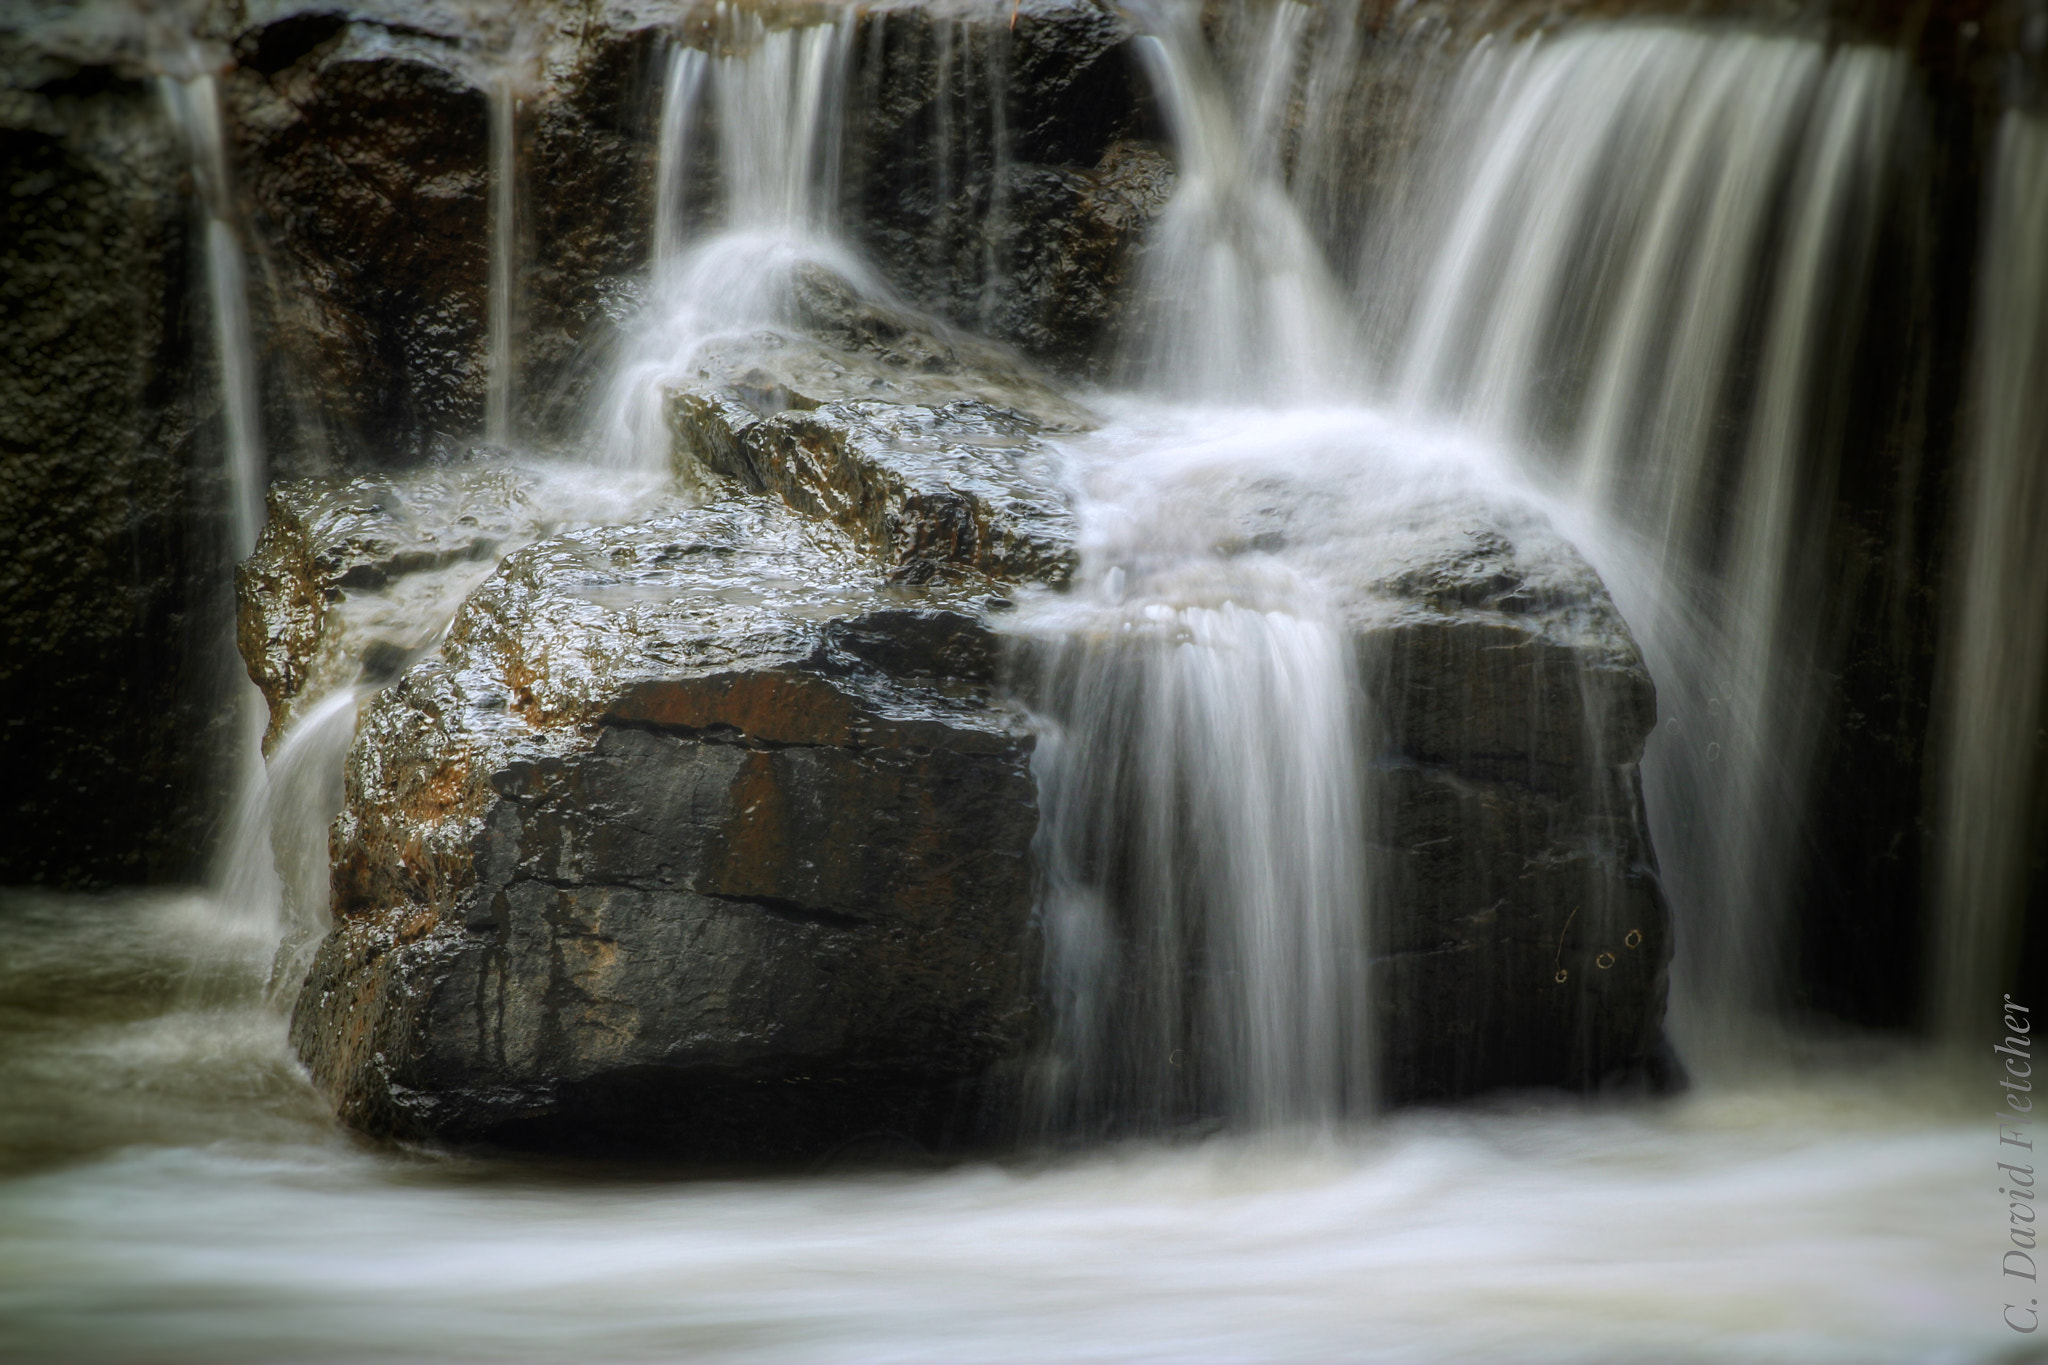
[{"x": 172, "y": 1190}]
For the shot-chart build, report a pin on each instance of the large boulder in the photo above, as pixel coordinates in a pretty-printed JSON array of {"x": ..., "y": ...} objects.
[{"x": 698, "y": 833}]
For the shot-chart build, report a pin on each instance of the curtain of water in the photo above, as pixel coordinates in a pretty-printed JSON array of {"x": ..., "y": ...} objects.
[
  {"x": 1643, "y": 257},
  {"x": 248, "y": 920},
  {"x": 1996, "y": 683},
  {"x": 1204, "y": 810},
  {"x": 1202, "y": 841},
  {"x": 194, "y": 105},
  {"x": 1236, "y": 299},
  {"x": 677, "y": 140},
  {"x": 778, "y": 96}
]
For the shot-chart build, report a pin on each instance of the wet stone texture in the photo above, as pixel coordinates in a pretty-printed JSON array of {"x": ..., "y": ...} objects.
[
  {"x": 1522, "y": 938},
  {"x": 362, "y": 143},
  {"x": 697, "y": 834},
  {"x": 340, "y": 587}
]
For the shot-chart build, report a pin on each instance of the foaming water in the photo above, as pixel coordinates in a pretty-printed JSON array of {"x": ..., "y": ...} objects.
[{"x": 174, "y": 1192}]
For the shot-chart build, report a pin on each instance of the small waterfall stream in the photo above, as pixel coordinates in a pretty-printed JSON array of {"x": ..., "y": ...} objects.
[
  {"x": 504, "y": 105},
  {"x": 777, "y": 96},
  {"x": 250, "y": 920}
]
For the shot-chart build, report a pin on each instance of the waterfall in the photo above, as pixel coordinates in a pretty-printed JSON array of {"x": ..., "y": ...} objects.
[
  {"x": 504, "y": 107},
  {"x": 1236, "y": 301},
  {"x": 246, "y": 893},
  {"x": 1201, "y": 766},
  {"x": 1204, "y": 811},
  {"x": 1639, "y": 261},
  {"x": 778, "y": 97},
  {"x": 686, "y": 70},
  {"x": 194, "y": 105},
  {"x": 1996, "y": 684}
]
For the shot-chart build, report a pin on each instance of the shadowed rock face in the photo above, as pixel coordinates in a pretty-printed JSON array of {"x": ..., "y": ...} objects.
[
  {"x": 1519, "y": 935},
  {"x": 111, "y": 545},
  {"x": 363, "y": 146},
  {"x": 697, "y": 834},
  {"x": 1525, "y": 938}
]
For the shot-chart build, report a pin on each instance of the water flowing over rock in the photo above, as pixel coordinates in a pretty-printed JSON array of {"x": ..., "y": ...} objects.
[{"x": 766, "y": 650}]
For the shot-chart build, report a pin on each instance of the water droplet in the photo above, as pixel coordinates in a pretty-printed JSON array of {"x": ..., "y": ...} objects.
[{"x": 1713, "y": 752}]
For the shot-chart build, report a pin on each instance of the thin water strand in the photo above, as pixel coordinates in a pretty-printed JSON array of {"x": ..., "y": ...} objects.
[{"x": 1995, "y": 692}]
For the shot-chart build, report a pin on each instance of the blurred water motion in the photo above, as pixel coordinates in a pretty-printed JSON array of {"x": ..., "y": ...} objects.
[{"x": 174, "y": 1192}]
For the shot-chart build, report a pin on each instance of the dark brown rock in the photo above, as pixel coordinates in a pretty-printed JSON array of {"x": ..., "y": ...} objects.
[
  {"x": 998, "y": 169},
  {"x": 696, "y": 835},
  {"x": 362, "y": 142}
]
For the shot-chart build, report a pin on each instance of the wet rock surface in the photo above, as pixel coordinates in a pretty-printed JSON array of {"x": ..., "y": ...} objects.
[
  {"x": 341, "y": 584},
  {"x": 362, "y": 143},
  {"x": 1004, "y": 180},
  {"x": 930, "y": 448},
  {"x": 1526, "y": 939},
  {"x": 697, "y": 834}
]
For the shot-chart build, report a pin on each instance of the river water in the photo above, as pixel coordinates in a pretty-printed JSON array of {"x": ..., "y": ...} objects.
[{"x": 175, "y": 1191}]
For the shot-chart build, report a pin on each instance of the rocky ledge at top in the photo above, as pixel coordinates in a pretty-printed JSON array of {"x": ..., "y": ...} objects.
[{"x": 711, "y": 832}]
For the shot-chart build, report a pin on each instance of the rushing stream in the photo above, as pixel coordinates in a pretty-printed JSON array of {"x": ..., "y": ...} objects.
[{"x": 1599, "y": 206}]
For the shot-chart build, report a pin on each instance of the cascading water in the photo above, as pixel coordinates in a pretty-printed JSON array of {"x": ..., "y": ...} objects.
[
  {"x": 194, "y": 105},
  {"x": 1996, "y": 686},
  {"x": 249, "y": 920},
  {"x": 174, "y": 1191},
  {"x": 1591, "y": 256},
  {"x": 1204, "y": 823},
  {"x": 776, "y": 96},
  {"x": 1201, "y": 768},
  {"x": 1237, "y": 301}
]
